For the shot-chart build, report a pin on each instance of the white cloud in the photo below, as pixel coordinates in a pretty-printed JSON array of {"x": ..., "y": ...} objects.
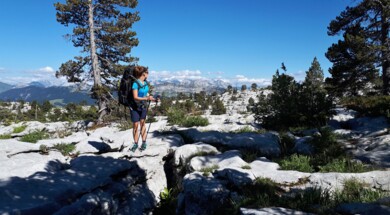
[
  {"x": 47, "y": 69},
  {"x": 2, "y": 69},
  {"x": 45, "y": 75},
  {"x": 299, "y": 75},
  {"x": 183, "y": 74},
  {"x": 259, "y": 81}
]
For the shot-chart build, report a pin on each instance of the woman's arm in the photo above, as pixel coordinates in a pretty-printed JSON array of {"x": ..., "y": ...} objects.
[{"x": 135, "y": 95}]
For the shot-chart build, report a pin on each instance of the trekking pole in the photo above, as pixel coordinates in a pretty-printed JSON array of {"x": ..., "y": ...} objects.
[{"x": 147, "y": 132}]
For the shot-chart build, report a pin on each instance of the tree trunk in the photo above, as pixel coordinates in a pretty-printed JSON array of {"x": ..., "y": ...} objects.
[
  {"x": 385, "y": 53},
  {"x": 102, "y": 103}
]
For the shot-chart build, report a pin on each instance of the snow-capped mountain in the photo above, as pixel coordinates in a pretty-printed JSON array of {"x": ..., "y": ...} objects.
[{"x": 189, "y": 85}]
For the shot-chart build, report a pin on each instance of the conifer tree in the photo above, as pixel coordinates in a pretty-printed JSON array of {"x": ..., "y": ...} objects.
[
  {"x": 102, "y": 30},
  {"x": 353, "y": 63},
  {"x": 373, "y": 17},
  {"x": 315, "y": 105},
  {"x": 254, "y": 87}
]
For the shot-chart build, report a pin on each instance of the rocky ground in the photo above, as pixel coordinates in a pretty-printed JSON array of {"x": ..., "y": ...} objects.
[{"x": 101, "y": 176}]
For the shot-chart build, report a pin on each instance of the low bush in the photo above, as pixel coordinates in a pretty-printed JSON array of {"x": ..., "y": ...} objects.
[
  {"x": 194, "y": 121},
  {"x": 34, "y": 136},
  {"x": 357, "y": 191},
  {"x": 344, "y": 165},
  {"x": 369, "y": 106},
  {"x": 64, "y": 148},
  {"x": 19, "y": 129},
  {"x": 297, "y": 162},
  {"x": 5, "y": 136},
  {"x": 264, "y": 192},
  {"x": 245, "y": 129},
  {"x": 207, "y": 170}
]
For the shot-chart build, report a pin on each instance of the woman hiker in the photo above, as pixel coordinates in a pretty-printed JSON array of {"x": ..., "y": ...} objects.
[{"x": 141, "y": 96}]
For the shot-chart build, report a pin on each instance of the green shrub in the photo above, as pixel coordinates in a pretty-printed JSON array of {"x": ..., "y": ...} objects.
[
  {"x": 246, "y": 167},
  {"x": 297, "y": 162},
  {"x": 370, "y": 106},
  {"x": 245, "y": 129},
  {"x": 5, "y": 136},
  {"x": 34, "y": 136},
  {"x": 19, "y": 129},
  {"x": 249, "y": 155},
  {"x": 344, "y": 165},
  {"x": 356, "y": 191},
  {"x": 64, "y": 148},
  {"x": 175, "y": 116},
  {"x": 207, "y": 170},
  {"x": 43, "y": 149},
  {"x": 286, "y": 144},
  {"x": 194, "y": 121}
]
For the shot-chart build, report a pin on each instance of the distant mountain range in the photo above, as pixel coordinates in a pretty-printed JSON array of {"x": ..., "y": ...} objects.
[
  {"x": 173, "y": 86},
  {"x": 5, "y": 87},
  {"x": 36, "y": 92},
  {"x": 60, "y": 95}
]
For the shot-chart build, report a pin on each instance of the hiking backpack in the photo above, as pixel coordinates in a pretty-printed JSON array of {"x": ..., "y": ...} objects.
[{"x": 125, "y": 92}]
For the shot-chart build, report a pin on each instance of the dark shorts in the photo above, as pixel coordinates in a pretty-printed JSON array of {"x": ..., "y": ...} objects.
[{"x": 138, "y": 114}]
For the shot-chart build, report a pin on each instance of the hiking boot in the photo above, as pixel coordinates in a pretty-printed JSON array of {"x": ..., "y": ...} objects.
[
  {"x": 143, "y": 146},
  {"x": 135, "y": 147}
]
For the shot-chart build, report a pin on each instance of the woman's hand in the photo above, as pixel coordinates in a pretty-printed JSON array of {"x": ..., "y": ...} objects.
[{"x": 151, "y": 98}]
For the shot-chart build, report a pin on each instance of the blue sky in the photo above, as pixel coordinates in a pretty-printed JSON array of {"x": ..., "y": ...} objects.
[{"x": 236, "y": 40}]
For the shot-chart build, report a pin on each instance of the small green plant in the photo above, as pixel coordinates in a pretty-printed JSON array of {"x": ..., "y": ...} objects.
[
  {"x": 5, "y": 136},
  {"x": 168, "y": 203},
  {"x": 19, "y": 129},
  {"x": 43, "y": 149},
  {"x": 64, "y": 133},
  {"x": 286, "y": 144},
  {"x": 34, "y": 136},
  {"x": 64, "y": 148},
  {"x": 245, "y": 129},
  {"x": 166, "y": 194},
  {"x": 246, "y": 167},
  {"x": 195, "y": 121},
  {"x": 357, "y": 191},
  {"x": 124, "y": 125},
  {"x": 297, "y": 162},
  {"x": 249, "y": 155},
  {"x": 344, "y": 165},
  {"x": 207, "y": 170}
]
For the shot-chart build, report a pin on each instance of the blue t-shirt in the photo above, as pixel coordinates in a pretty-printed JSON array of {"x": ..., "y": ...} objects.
[{"x": 143, "y": 91}]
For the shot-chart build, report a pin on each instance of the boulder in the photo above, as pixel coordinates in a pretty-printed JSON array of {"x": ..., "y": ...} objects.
[
  {"x": 227, "y": 159},
  {"x": 199, "y": 192},
  {"x": 183, "y": 153},
  {"x": 271, "y": 211}
]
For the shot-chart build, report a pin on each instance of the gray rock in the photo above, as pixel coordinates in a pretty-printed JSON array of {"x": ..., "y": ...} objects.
[
  {"x": 368, "y": 125},
  {"x": 227, "y": 159},
  {"x": 50, "y": 191},
  {"x": 235, "y": 176},
  {"x": 302, "y": 146},
  {"x": 183, "y": 153},
  {"x": 363, "y": 209},
  {"x": 267, "y": 144},
  {"x": 271, "y": 211},
  {"x": 201, "y": 195}
]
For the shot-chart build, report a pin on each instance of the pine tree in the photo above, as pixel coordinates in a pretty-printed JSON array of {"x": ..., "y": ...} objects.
[
  {"x": 243, "y": 87},
  {"x": 353, "y": 64},
  {"x": 102, "y": 29},
  {"x": 373, "y": 16},
  {"x": 314, "y": 104},
  {"x": 254, "y": 87},
  {"x": 218, "y": 107}
]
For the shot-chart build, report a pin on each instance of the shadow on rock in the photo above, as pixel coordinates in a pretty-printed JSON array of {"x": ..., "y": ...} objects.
[{"x": 89, "y": 185}]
